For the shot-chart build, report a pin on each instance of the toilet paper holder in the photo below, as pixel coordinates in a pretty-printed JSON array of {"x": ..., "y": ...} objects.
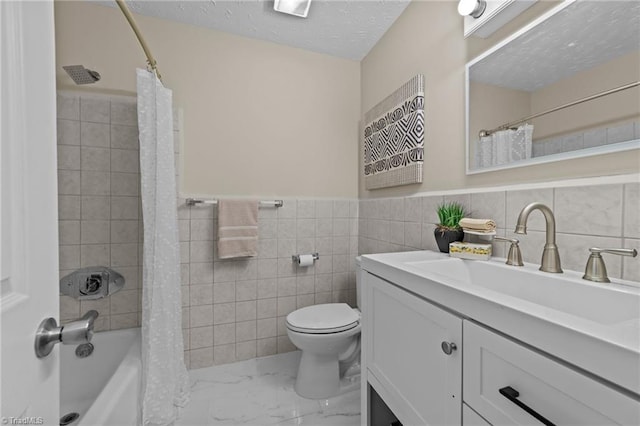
[{"x": 296, "y": 257}]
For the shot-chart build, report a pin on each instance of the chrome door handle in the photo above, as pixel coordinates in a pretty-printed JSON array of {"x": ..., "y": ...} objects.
[{"x": 74, "y": 333}]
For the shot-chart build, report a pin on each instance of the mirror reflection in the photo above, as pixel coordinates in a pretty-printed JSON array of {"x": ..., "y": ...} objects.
[{"x": 565, "y": 87}]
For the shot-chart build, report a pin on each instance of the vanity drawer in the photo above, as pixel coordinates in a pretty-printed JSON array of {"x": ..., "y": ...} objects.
[{"x": 554, "y": 391}]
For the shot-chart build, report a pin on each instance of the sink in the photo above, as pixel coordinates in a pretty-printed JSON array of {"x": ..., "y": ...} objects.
[{"x": 605, "y": 304}]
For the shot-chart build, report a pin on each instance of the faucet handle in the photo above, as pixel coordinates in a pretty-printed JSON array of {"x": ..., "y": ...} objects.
[
  {"x": 514, "y": 257},
  {"x": 596, "y": 270}
]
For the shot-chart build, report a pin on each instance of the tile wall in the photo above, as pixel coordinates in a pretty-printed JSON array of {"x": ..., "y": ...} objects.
[
  {"x": 100, "y": 223},
  {"x": 586, "y": 216},
  {"x": 235, "y": 309}
]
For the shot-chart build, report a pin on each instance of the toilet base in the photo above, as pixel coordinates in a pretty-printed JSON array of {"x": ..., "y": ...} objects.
[{"x": 318, "y": 376}]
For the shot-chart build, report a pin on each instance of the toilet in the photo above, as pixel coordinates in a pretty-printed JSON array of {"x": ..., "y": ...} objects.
[{"x": 329, "y": 337}]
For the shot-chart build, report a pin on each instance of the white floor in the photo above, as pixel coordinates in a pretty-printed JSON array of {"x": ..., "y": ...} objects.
[{"x": 260, "y": 392}]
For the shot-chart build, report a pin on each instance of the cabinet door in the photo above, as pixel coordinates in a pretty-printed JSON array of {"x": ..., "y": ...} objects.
[
  {"x": 402, "y": 336},
  {"x": 552, "y": 390}
]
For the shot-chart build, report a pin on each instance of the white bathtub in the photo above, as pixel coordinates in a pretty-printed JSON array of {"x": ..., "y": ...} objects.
[{"x": 104, "y": 387}]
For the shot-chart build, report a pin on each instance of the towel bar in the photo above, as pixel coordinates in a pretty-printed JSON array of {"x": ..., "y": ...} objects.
[{"x": 196, "y": 201}]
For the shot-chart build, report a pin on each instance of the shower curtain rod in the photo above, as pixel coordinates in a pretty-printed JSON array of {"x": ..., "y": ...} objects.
[
  {"x": 134, "y": 26},
  {"x": 507, "y": 126}
]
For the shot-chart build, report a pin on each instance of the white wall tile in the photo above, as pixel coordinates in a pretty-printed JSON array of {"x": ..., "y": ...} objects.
[
  {"x": 306, "y": 209},
  {"x": 124, "y": 254},
  {"x": 96, "y": 183},
  {"x": 68, "y": 182},
  {"x": 95, "y": 110},
  {"x": 224, "y": 313},
  {"x": 68, "y": 106},
  {"x": 223, "y": 334},
  {"x": 125, "y": 160},
  {"x": 592, "y": 210},
  {"x": 124, "y": 137},
  {"x": 631, "y": 226},
  {"x": 95, "y": 255},
  {"x": 127, "y": 184},
  {"x": 95, "y": 134},
  {"x": 224, "y": 354},
  {"x": 489, "y": 205},
  {"x": 124, "y": 112}
]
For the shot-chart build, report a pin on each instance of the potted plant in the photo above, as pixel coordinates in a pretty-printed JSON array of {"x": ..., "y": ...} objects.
[{"x": 449, "y": 230}]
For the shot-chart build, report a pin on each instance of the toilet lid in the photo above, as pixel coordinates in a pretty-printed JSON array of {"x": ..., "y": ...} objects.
[{"x": 325, "y": 318}]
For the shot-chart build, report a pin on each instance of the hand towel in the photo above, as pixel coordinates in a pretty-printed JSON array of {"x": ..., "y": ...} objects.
[
  {"x": 237, "y": 228},
  {"x": 478, "y": 225}
]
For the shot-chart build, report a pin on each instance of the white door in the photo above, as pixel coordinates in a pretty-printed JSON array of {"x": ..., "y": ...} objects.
[{"x": 29, "y": 391}]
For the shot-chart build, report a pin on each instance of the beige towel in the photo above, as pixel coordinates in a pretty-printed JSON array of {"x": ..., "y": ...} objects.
[
  {"x": 479, "y": 225},
  {"x": 237, "y": 228}
]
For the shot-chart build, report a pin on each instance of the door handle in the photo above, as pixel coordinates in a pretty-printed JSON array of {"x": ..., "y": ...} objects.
[{"x": 74, "y": 333}]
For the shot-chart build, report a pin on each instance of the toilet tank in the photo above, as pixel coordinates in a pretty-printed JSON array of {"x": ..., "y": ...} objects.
[{"x": 358, "y": 280}]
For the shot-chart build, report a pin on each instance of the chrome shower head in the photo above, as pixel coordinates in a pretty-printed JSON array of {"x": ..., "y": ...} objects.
[{"x": 80, "y": 75}]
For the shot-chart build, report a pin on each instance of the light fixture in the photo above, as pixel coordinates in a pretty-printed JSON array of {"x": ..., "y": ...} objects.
[
  {"x": 473, "y": 8},
  {"x": 292, "y": 7}
]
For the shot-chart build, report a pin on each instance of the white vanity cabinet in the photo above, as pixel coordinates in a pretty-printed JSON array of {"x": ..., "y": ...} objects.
[
  {"x": 500, "y": 380},
  {"x": 405, "y": 361}
]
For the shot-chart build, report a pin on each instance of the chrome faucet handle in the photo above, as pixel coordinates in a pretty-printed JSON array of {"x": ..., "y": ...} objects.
[
  {"x": 73, "y": 333},
  {"x": 596, "y": 270},
  {"x": 514, "y": 258}
]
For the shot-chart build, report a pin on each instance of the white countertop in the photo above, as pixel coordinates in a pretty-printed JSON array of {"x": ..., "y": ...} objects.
[{"x": 609, "y": 351}]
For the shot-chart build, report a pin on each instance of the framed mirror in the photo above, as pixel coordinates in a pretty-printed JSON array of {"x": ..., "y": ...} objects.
[{"x": 565, "y": 86}]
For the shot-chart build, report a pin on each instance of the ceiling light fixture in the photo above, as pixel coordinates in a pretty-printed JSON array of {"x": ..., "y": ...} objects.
[
  {"x": 298, "y": 8},
  {"x": 473, "y": 8}
]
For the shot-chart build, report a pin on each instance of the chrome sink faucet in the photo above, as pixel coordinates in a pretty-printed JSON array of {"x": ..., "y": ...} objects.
[{"x": 550, "y": 256}]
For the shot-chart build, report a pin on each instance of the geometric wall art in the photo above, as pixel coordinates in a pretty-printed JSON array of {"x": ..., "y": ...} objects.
[{"x": 393, "y": 135}]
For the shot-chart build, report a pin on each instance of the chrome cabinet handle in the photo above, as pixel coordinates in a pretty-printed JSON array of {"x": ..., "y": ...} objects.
[
  {"x": 74, "y": 333},
  {"x": 512, "y": 395},
  {"x": 448, "y": 347}
]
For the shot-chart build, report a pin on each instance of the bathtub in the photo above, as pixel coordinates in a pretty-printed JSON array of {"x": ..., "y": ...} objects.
[{"x": 104, "y": 387}]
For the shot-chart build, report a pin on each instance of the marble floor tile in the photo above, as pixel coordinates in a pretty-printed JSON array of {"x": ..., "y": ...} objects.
[{"x": 260, "y": 392}]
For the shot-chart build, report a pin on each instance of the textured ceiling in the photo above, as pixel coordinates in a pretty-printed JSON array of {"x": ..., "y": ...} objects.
[
  {"x": 583, "y": 35},
  {"x": 348, "y": 29}
]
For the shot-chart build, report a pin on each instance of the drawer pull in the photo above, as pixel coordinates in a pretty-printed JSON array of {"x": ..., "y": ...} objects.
[
  {"x": 512, "y": 395},
  {"x": 448, "y": 348}
]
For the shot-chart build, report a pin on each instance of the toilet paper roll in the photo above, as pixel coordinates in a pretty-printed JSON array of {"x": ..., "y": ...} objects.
[{"x": 305, "y": 260}]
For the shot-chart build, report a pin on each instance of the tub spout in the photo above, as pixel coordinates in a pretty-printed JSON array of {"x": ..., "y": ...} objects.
[{"x": 550, "y": 256}]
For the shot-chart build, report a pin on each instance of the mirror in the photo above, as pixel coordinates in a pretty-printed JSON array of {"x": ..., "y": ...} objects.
[{"x": 578, "y": 50}]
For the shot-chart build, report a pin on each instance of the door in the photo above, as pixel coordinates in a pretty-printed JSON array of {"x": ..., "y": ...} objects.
[{"x": 29, "y": 391}]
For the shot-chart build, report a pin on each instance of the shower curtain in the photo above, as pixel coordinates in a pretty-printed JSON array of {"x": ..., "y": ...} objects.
[
  {"x": 165, "y": 382},
  {"x": 504, "y": 146}
]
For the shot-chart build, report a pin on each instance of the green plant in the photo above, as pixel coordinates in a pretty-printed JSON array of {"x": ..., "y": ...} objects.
[{"x": 449, "y": 215}]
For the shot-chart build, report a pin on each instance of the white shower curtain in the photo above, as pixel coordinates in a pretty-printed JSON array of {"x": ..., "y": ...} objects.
[
  {"x": 504, "y": 146},
  {"x": 165, "y": 382}
]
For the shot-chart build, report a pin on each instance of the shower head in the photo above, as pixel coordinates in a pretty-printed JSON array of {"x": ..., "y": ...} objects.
[{"x": 80, "y": 75}]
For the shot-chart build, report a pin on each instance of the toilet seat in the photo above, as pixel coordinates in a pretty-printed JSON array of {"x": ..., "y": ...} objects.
[{"x": 323, "y": 319}]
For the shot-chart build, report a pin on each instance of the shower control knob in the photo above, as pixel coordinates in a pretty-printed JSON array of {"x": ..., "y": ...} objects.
[{"x": 448, "y": 347}]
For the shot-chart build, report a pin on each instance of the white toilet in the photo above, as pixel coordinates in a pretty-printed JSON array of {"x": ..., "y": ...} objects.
[{"x": 329, "y": 337}]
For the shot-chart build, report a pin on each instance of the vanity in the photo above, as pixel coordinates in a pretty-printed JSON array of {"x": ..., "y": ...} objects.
[{"x": 459, "y": 342}]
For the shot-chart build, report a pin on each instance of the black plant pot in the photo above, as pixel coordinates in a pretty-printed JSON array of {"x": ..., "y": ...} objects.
[{"x": 446, "y": 236}]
